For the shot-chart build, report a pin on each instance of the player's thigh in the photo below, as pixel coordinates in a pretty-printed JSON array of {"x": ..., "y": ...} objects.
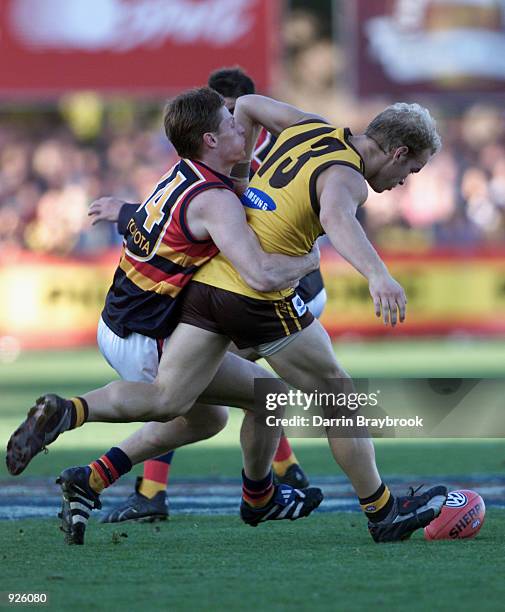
[
  {"x": 308, "y": 359},
  {"x": 135, "y": 358},
  {"x": 190, "y": 360},
  {"x": 233, "y": 384}
]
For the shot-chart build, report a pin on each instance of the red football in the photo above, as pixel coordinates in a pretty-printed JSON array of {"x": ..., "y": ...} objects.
[{"x": 461, "y": 517}]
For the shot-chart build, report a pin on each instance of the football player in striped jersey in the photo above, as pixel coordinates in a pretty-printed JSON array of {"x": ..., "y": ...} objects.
[{"x": 148, "y": 502}]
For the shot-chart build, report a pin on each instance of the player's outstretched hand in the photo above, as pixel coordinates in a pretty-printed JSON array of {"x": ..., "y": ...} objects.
[
  {"x": 105, "y": 209},
  {"x": 389, "y": 299}
]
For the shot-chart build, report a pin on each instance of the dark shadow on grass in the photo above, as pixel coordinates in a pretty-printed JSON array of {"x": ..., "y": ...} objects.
[{"x": 397, "y": 458}]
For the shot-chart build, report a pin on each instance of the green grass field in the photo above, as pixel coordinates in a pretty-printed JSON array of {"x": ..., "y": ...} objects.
[
  {"x": 212, "y": 563},
  {"x": 326, "y": 562}
]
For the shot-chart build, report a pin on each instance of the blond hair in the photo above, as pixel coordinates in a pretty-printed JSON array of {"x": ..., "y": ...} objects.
[{"x": 403, "y": 124}]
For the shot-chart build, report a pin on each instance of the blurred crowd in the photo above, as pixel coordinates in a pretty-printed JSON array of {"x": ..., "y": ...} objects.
[
  {"x": 458, "y": 199},
  {"x": 49, "y": 176},
  {"x": 55, "y": 161}
]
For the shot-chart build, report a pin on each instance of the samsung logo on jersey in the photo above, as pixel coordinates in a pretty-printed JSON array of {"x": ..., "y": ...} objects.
[{"x": 255, "y": 198}]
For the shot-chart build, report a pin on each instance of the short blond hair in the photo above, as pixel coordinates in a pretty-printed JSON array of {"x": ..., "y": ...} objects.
[{"x": 403, "y": 124}]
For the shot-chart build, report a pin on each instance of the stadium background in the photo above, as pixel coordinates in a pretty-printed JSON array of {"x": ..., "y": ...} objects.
[{"x": 81, "y": 87}]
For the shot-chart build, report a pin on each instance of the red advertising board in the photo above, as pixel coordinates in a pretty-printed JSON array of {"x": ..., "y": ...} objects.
[
  {"x": 410, "y": 47},
  {"x": 142, "y": 46}
]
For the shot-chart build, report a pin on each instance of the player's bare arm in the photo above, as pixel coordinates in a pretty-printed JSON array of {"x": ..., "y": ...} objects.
[
  {"x": 259, "y": 269},
  {"x": 275, "y": 116},
  {"x": 220, "y": 215},
  {"x": 254, "y": 112},
  {"x": 341, "y": 190}
]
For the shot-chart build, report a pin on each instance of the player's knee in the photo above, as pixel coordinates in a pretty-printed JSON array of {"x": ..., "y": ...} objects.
[
  {"x": 336, "y": 372},
  {"x": 218, "y": 418},
  {"x": 206, "y": 421},
  {"x": 341, "y": 392},
  {"x": 165, "y": 404}
]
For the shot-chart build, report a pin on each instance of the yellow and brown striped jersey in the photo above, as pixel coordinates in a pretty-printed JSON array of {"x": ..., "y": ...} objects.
[{"x": 281, "y": 202}]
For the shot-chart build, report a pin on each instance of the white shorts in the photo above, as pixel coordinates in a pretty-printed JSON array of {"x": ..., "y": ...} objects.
[
  {"x": 317, "y": 303},
  {"x": 134, "y": 358}
]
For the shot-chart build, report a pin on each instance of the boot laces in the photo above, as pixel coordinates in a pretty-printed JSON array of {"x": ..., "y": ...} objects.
[{"x": 412, "y": 491}]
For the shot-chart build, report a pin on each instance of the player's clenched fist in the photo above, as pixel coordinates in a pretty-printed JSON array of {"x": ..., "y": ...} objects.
[{"x": 388, "y": 297}]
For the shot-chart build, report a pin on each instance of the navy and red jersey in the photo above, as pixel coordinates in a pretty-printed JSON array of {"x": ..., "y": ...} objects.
[
  {"x": 263, "y": 147},
  {"x": 160, "y": 255}
]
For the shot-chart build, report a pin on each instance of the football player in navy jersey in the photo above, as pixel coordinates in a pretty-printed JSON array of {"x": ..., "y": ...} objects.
[{"x": 148, "y": 501}]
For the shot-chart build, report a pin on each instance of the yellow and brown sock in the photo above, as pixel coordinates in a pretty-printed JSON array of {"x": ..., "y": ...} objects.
[
  {"x": 377, "y": 506},
  {"x": 108, "y": 468},
  {"x": 75, "y": 412},
  {"x": 284, "y": 457},
  {"x": 257, "y": 493},
  {"x": 79, "y": 412}
]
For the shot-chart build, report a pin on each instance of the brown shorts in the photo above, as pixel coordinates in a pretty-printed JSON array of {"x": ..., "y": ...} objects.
[{"x": 246, "y": 321}]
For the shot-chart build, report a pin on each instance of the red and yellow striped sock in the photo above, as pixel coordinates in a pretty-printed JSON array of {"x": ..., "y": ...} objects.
[
  {"x": 155, "y": 477},
  {"x": 257, "y": 493},
  {"x": 284, "y": 457},
  {"x": 108, "y": 468}
]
